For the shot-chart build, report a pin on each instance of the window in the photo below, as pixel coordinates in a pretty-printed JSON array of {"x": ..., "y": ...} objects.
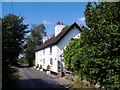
[
  {"x": 72, "y": 38},
  {"x": 51, "y": 61},
  {"x": 43, "y": 51},
  {"x": 51, "y": 50},
  {"x": 43, "y": 61}
]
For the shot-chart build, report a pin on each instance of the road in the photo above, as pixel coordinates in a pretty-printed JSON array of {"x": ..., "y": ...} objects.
[{"x": 32, "y": 78}]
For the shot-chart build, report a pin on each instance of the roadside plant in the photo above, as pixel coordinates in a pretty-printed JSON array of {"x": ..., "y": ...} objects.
[
  {"x": 40, "y": 66},
  {"x": 37, "y": 66},
  {"x": 48, "y": 67}
]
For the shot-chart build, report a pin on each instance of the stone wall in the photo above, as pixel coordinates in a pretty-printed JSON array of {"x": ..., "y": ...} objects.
[{"x": 84, "y": 81}]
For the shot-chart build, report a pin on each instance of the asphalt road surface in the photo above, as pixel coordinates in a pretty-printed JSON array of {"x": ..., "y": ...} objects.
[{"x": 34, "y": 79}]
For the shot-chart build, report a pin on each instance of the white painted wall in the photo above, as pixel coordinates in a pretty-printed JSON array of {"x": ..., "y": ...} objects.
[
  {"x": 57, "y": 50},
  {"x": 47, "y": 56},
  {"x": 36, "y": 58},
  {"x": 74, "y": 33}
]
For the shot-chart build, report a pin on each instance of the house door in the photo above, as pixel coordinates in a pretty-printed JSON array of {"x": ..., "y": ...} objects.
[
  {"x": 59, "y": 69},
  {"x": 59, "y": 66}
]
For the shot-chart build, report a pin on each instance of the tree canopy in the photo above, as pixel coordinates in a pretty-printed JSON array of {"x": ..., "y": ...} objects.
[
  {"x": 34, "y": 40},
  {"x": 13, "y": 36},
  {"x": 100, "y": 44}
]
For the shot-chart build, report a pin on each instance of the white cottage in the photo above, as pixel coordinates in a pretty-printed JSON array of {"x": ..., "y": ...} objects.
[{"x": 50, "y": 52}]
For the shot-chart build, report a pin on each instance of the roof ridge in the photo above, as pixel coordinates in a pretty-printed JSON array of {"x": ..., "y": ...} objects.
[{"x": 57, "y": 38}]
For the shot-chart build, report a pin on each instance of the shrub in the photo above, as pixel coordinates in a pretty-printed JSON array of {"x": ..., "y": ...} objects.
[
  {"x": 48, "y": 67},
  {"x": 37, "y": 66},
  {"x": 40, "y": 66}
]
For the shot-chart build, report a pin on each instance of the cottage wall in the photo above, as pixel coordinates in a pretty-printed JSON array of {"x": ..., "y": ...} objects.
[
  {"x": 42, "y": 57},
  {"x": 74, "y": 33}
]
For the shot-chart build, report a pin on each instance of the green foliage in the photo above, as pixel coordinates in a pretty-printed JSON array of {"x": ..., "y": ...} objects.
[
  {"x": 10, "y": 77},
  {"x": 76, "y": 84},
  {"x": 23, "y": 61},
  {"x": 102, "y": 42},
  {"x": 33, "y": 62},
  {"x": 97, "y": 55},
  {"x": 13, "y": 36},
  {"x": 71, "y": 55},
  {"x": 33, "y": 42}
]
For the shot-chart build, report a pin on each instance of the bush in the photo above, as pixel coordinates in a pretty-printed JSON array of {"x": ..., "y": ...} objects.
[
  {"x": 40, "y": 66},
  {"x": 48, "y": 67},
  {"x": 22, "y": 61},
  {"x": 37, "y": 66},
  {"x": 9, "y": 77},
  {"x": 33, "y": 62}
]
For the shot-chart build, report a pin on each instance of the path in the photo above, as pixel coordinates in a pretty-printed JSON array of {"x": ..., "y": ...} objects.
[{"x": 32, "y": 78}]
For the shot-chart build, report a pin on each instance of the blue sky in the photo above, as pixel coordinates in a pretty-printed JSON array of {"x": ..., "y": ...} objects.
[{"x": 48, "y": 13}]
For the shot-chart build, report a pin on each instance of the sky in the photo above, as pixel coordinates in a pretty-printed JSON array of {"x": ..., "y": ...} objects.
[{"x": 47, "y": 13}]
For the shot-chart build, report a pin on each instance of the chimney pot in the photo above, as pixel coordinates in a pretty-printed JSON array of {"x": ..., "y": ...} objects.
[
  {"x": 59, "y": 23},
  {"x": 58, "y": 28}
]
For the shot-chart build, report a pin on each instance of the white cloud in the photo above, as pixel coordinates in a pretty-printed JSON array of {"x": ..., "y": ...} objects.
[
  {"x": 46, "y": 22},
  {"x": 82, "y": 19}
]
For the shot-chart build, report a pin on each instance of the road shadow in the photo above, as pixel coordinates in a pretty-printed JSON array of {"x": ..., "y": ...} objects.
[
  {"x": 24, "y": 66},
  {"x": 40, "y": 84}
]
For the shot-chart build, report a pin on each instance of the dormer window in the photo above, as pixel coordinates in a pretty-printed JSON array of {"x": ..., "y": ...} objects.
[{"x": 50, "y": 49}]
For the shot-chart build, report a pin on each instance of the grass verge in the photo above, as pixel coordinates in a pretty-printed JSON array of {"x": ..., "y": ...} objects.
[{"x": 79, "y": 86}]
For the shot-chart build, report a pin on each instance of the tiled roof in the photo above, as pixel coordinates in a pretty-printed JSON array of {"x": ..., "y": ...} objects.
[{"x": 55, "y": 40}]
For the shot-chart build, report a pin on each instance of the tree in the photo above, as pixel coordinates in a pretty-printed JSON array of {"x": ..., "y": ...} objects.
[
  {"x": 102, "y": 44},
  {"x": 99, "y": 57},
  {"x": 13, "y": 36},
  {"x": 34, "y": 41}
]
